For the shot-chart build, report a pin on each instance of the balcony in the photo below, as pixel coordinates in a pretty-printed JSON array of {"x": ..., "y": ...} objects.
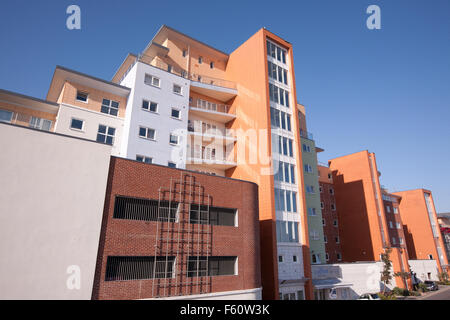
[
  {"x": 209, "y": 132},
  {"x": 219, "y": 89},
  {"x": 213, "y": 111},
  {"x": 306, "y": 135},
  {"x": 208, "y": 156}
]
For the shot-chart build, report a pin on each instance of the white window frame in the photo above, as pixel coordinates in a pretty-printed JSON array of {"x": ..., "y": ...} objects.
[
  {"x": 146, "y": 133},
  {"x": 11, "y": 117},
  {"x": 152, "y": 80},
  {"x": 106, "y": 134},
  {"x": 39, "y": 123},
  {"x": 174, "y": 136},
  {"x": 149, "y": 105},
  {"x": 179, "y": 113},
  {"x": 76, "y": 129},
  {"x": 181, "y": 89},
  {"x": 82, "y": 92},
  {"x": 144, "y": 158},
  {"x": 110, "y": 107}
]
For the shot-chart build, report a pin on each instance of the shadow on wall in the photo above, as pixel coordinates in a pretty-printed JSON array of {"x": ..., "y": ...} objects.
[
  {"x": 269, "y": 265},
  {"x": 354, "y": 228},
  {"x": 409, "y": 243}
]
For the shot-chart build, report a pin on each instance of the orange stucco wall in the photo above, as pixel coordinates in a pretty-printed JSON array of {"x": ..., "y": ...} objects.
[
  {"x": 95, "y": 97},
  {"x": 417, "y": 226}
]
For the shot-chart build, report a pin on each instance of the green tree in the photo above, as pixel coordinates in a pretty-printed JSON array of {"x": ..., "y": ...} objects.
[{"x": 386, "y": 275}]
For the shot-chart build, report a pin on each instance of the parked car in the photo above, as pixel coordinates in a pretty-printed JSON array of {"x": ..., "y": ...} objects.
[
  {"x": 369, "y": 296},
  {"x": 431, "y": 285}
]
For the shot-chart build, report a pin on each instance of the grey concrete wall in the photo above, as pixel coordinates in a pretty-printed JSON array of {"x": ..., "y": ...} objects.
[{"x": 52, "y": 191}]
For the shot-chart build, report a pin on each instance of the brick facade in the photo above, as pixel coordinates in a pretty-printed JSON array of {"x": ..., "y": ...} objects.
[{"x": 121, "y": 237}]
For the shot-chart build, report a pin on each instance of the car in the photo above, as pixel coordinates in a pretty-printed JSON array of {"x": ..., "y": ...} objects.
[
  {"x": 369, "y": 296},
  {"x": 431, "y": 285}
]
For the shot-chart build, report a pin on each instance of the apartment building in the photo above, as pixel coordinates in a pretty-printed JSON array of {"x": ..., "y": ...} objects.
[
  {"x": 330, "y": 216},
  {"x": 369, "y": 210},
  {"x": 316, "y": 222},
  {"x": 423, "y": 237},
  {"x": 444, "y": 223},
  {"x": 184, "y": 104}
]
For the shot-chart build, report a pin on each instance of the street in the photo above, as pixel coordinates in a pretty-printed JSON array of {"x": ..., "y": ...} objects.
[{"x": 442, "y": 294}]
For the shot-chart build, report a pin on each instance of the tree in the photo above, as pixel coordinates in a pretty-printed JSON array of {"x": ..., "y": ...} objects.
[{"x": 386, "y": 275}]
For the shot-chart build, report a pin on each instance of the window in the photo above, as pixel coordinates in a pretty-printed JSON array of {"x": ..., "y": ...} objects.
[
  {"x": 335, "y": 223},
  {"x": 333, "y": 207},
  {"x": 127, "y": 208},
  {"x": 327, "y": 256},
  {"x": 322, "y": 206},
  {"x": 400, "y": 240},
  {"x": 173, "y": 139},
  {"x": 147, "y": 133},
  {"x": 314, "y": 258},
  {"x": 325, "y": 239},
  {"x": 106, "y": 134},
  {"x": 391, "y": 225},
  {"x": 309, "y": 189},
  {"x": 76, "y": 124},
  {"x": 215, "y": 216},
  {"x": 430, "y": 256},
  {"x": 82, "y": 96},
  {"x": 171, "y": 164},
  {"x": 276, "y": 52},
  {"x": 200, "y": 60},
  {"x": 184, "y": 53},
  {"x": 152, "y": 80},
  {"x": 395, "y": 210},
  {"x": 176, "y": 113},
  {"x": 294, "y": 258},
  {"x": 337, "y": 239},
  {"x": 211, "y": 266},
  {"x": 211, "y": 65},
  {"x": 394, "y": 240},
  {"x": 110, "y": 107},
  {"x": 388, "y": 209},
  {"x": 314, "y": 235},
  {"x": 339, "y": 256},
  {"x": 150, "y": 106},
  {"x": 329, "y": 176},
  {"x": 144, "y": 159},
  {"x": 287, "y": 231},
  {"x": 176, "y": 89},
  {"x": 320, "y": 189},
  {"x": 398, "y": 225},
  {"x": 331, "y": 191},
  {"x": 323, "y": 222},
  {"x": 278, "y": 95},
  {"x": 312, "y": 212},
  {"x": 6, "y": 116},
  {"x": 306, "y": 148},
  {"x": 42, "y": 124},
  {"x": 137, "y": 268},
  {"x": 300, "y": 295},
  {"x": 308, "y": 168},
  {"x": 280, "y": 258}
]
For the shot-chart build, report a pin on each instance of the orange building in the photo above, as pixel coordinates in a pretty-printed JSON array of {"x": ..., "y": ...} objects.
[
  {"x": 363, "y": 218},
  {"x": 421, "y": 227}
]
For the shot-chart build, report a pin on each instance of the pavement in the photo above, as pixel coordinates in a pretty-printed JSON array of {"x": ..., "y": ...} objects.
[{"x": 442, "y": 294}]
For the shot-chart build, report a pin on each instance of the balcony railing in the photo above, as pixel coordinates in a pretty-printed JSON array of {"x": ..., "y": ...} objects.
[
  {"x": 210, "y": 106},
  {"x": 160, "y": 64},
  {"x": 209, "y": 155},
  {"x": 208, "y": 130},
  {"x": 26, "y": 120},
  {"x": 212, "y": 81},
  {"x": 306, "y": 135}
]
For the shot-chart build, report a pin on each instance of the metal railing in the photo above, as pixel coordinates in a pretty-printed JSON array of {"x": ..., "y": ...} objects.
[
  {"x": 206, "y": 129},
  {"x": 205, "y": 155},
  {"x": 210, "y": 106},
  {"x": 306, "y": 135},
  {"x": 160, "y": 64}
]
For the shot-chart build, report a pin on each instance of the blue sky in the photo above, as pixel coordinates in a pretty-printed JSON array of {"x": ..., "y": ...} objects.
[{"x": 385, "y": 90}]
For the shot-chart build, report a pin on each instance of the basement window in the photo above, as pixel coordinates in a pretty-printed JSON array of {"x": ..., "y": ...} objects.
[
  {"x": 139, "y": 268},
  {"x": 211, "y": 266},
  {"x": 128, "y": 208}
]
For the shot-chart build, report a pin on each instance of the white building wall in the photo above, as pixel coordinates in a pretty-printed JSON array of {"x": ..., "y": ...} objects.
[
  {"x": 52, "y": 194},
  {"x": 425, "y": 269},
  {"x": 92, "y": 120},
  {"x": 160, "y": 149}
]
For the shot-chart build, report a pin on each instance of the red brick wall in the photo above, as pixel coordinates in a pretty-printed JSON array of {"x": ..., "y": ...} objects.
[
  {"x": 137, "y": 238},
  {"x": 329, "y": 230}
]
